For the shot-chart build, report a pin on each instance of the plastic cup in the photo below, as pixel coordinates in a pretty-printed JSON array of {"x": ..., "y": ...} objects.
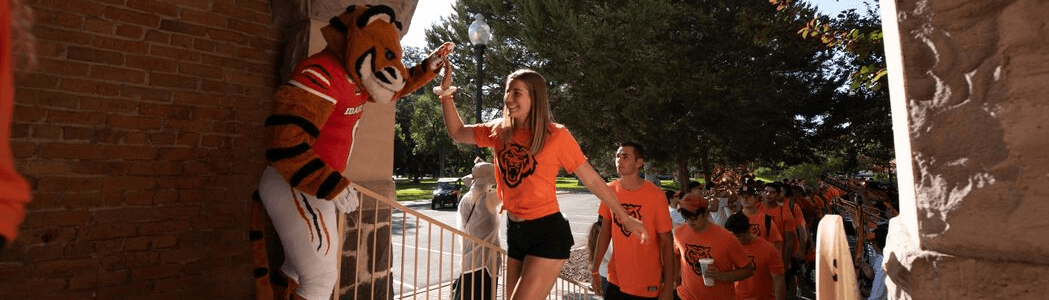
[{"x": 703, "y": 264}]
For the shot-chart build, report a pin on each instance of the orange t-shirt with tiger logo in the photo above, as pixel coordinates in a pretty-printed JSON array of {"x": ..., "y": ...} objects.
[{"x": 527, "y": 182}]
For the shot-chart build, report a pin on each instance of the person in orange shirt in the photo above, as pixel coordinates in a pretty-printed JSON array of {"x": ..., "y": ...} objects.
[
  {"x": 767, "y": 282},
  {"x": 636, "y": 271},
  {"x": 699, "y": 238},
  {"x": 529, "y": 150},
  {"x": 761, "y": 224},
  {"x": 14, "y": 192},
  {"x": 783, "y": 218}
]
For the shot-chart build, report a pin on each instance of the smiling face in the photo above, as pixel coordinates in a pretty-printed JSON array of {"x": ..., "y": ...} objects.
[{"x": 518, "y": 101}]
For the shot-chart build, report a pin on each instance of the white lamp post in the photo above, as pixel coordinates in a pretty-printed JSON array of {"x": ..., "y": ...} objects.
[{"x": 480, "y": 35}]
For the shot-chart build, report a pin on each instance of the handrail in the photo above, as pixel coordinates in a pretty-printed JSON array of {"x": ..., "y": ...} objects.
[{"x": 485, "y": 253}]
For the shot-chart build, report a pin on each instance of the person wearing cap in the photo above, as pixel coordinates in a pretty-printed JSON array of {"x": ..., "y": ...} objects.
[
  {"x": 767, "y": 282},
  {"x": 636, "y": 270},
  {"x": 699, "y": 238},
  {"x": 761, "y": 224}
]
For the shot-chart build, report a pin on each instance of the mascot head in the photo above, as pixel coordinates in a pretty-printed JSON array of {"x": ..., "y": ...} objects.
[{"x": 368, "y": 41}]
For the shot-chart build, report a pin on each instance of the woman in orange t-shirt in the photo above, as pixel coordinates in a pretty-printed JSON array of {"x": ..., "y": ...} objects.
[{"x": 530, "y": 149}]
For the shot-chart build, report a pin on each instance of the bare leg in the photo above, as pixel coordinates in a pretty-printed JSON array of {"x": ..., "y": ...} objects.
[
  {"x": 537, "y": 276},
  {"x": 513, "y": 273}
]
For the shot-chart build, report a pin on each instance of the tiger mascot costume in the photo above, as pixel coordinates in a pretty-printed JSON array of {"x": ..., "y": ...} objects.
[{"x": 309, "y": 136}]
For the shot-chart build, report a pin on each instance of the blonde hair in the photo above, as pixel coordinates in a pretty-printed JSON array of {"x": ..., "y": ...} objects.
[
  {"x": 23, "y": 44},
  {"x": 539, "y": 116}
]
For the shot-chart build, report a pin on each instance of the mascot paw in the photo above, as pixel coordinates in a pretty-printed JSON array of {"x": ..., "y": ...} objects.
[
  {"x": 347, "y": 201},
  {"x": 439, "y": 56}
]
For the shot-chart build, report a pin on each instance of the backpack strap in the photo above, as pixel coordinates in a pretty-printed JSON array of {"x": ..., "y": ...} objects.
[{"x": 768, "y": 224}]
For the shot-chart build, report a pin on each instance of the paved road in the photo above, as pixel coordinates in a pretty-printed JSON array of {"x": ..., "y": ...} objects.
[{"x": 442, "y": 258}]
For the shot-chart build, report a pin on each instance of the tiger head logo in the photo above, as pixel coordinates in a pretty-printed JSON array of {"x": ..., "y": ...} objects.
[
  {"x": 632, "y": 210},
  {"x": 368, "y": 40},
  {"x": 692, "y": 255},
  {"x": 516, "y": 164},
  {"x": 755, "y": 229}
]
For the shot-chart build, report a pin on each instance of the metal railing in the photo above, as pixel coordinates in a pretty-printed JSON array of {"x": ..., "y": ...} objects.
[{"x": 427, "y": 257}]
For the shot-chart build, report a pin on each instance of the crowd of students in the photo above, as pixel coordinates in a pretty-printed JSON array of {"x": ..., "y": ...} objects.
[{"x": 761, "y": 237}]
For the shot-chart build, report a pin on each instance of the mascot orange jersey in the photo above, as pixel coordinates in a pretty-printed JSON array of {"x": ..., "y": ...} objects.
[{"x": 309, "y": 137}]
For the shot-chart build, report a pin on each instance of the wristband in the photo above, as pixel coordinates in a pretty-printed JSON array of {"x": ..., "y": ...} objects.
[
  {"x": 595, "y": 272},
  {"x": 446, "y": 98}
]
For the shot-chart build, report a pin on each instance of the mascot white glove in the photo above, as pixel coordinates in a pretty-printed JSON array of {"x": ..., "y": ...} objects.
[{"x": 347, "y": 201}]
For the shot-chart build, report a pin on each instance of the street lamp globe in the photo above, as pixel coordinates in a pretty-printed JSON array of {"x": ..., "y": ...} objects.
[{"x": 480, "y": 33}]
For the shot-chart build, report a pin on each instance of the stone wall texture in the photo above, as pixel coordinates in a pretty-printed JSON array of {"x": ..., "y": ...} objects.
[{"x": 971, "y": 77}]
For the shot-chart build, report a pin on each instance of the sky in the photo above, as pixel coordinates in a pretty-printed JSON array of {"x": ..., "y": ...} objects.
[{"x": 431, "y": 11}]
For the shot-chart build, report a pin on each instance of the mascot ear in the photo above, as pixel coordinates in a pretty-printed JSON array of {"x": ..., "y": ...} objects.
[
  {"x": 376, "y": 13},
  {"x": 478, "y": 160}
]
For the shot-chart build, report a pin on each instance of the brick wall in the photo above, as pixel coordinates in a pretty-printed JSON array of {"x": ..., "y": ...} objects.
[{"x": 139, "y": 132}]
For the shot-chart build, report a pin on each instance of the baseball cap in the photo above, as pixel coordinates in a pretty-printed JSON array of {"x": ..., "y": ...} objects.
[{"x": 693, "y": 202}]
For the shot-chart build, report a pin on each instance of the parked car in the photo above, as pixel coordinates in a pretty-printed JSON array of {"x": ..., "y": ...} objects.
[{"x": 447, "y": 191}]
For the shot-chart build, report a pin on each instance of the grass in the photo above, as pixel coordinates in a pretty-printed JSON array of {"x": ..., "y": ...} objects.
[{"x": 409, "y": 191}]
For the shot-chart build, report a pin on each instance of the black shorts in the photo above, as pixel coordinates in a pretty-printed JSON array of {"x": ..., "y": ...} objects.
[
  {"x": 546, "y": 237},
  {"x": 612, "y": 292}
]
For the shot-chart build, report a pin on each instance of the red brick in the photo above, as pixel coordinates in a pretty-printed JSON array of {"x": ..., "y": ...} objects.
[
  {"x": 185, "y": 183},
  {"x": 206, "y": 71},
  {"x": 208, "y": 19},
  {"x": 183, "y": 255},
  {"x": 32, "y": 286},
  {"x": 129, "y": 16},
  {"x": 180, "y": 54},
  {"x": 233, "y": 10},
  {"x": 180, "y": 154},
  {"x": 165, "y": 227},
  {"x": 106, "y": 247},
  {"x": 67, "y": 267},
  {"x": 55, "y": 116},
  {"x": 37, "y": 80},
  {"x": 123, "y": 215},
  {"x": 138, "y": 243},
  {"x": 39, "y": 168},
  {"x": 77, "y": 184},
  {"x": 190, "y": 125},
  {"x": 145, "y": 93},
  {"x": 55, "y": 34},
  {"x": 249, "y": 28},
  {"x": 48, "y": 235},
  {"x": 166, "y": 111},
  {"x": 85, "y": 7},
  {"x": 220, "y": 35},
  {"x": 181, "y": 41},
  {"x": 129, "y": 122},
  {"x": 258, "y": 6},
  {"x": 127, "y": 290},
  {"x": 204, "y": 45},
  {"x": 19, "y": 131},
  {"x": 110, "y": 278},
  {"x": 82, "y": 199},
  {"x": 177, "y": 26},
  {"x": 157, "y": 36},
  {"x": 76, "y": 151},
  {"x": 165, "y": 241},
  {"x": 104, "y": 231},
  {"x": 128, "y": 183},
  {"x": 94, "y": 167},
  {"x": 46, "y": 132},
  {"x": 121, "y": 45},
  {"x": 156, "y": 168},
  {"x": 57, "y": 218},
  {"x": 68, "y": 20},
  {"x": 100, "y": 26},
  {"x": 162, "y": 139},
  {"x": 48, "y": 49},
  {"x": 173, "y": 81},
  {"x": 135, "y": 139},
  {"x": 61, "y": 67},
  {"x": 251, "y": 53},
  {"x": 45, "y": 98},
  {"x": 129, "y": 153},
  {"x": 130, "y": 31},
  {"x": 108, "y": 105},
  {"x": 156, "y": 7},
  {"x": 44, "y": 252},
  {"x": 221, "y": 87},
  {"x": 83, "y": 281},
  {"x": 95, "y": 55},
  {"x": 72, "y": 133},
  {"x": 91, "y": 87},
  {"x": 108, "y": 73}
]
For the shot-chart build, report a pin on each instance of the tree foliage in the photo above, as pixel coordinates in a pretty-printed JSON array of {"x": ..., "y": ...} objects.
[{"x": 699, "y": 82}]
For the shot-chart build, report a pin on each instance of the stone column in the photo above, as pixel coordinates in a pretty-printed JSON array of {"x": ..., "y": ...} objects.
[{"x": 968, "y": 83}]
